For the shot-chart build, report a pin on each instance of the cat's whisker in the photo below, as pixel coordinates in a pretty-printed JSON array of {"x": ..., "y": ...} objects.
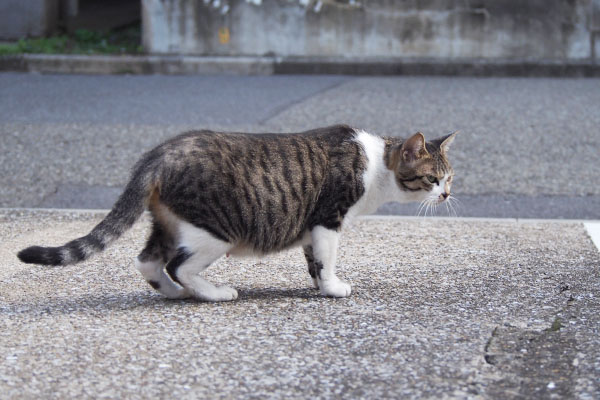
[
  {"x": 426, "y": 207},
  {"x": 451, "y": 210},
  {"x": 455, "y": 200},
  {"x": 431, "y": 206},
  {"x": 455, "y": 206},
  {"x": 447, "y": 204},
  {"x": 454, "y": 203},
  {"x": 421, "y": 207}
]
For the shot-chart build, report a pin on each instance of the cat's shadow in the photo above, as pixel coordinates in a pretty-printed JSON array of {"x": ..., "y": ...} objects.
[
  {"x": 142, "y": 299},
  {"x": 276, "y": 293}
]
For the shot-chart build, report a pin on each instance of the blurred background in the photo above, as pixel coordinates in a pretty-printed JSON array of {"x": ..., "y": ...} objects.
[
  {"x": 453, "y": 29},
  {"x": 112, "y": 79}
]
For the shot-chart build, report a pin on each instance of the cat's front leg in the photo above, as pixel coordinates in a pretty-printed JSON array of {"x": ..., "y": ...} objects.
[{"x": 324, "y": 245}]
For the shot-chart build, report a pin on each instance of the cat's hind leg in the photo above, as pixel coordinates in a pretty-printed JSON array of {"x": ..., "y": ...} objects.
[
  {"x": 197, "y": 250},
  {"x": 160, "y": 247},
  {"x": 154, "y": 273},
  {"x": 312, "y": 266},
  {"x": 324, "y": 245}
]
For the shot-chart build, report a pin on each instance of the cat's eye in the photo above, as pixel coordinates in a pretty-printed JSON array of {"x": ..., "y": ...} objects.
[{"x": 432, "y": 179}]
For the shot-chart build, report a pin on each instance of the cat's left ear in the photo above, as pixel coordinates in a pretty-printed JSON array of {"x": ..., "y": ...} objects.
[{"x": 444, "y": 142}]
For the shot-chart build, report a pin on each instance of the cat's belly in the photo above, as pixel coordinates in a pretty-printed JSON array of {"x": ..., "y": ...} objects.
[{"x": 244, "y": 250}]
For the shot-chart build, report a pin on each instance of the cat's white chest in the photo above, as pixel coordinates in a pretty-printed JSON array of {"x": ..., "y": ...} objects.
[
  {"x": 379, "y": 181},
  {"x": 375, "y": 177}
]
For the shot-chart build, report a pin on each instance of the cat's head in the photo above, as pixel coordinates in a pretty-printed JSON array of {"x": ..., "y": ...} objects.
[{"x": 421, "y": 168}]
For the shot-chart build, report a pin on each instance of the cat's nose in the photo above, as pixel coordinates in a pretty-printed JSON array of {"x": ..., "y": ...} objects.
[{"x": 445, "y": 195}]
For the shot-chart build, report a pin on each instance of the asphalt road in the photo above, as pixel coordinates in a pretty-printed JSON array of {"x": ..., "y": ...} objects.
[{"x": 528, "y": 147}]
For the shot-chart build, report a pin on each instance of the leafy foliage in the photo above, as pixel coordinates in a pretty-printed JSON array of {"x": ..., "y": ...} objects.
[{"x": 82, "y": 41}]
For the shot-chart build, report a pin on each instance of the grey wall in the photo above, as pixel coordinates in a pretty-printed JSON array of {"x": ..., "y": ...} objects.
[
  {"x": 531, "y": 29},
  {"x": 24, "y": 18}
]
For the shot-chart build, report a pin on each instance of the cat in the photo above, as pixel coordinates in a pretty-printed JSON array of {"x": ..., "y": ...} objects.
[{"x": 213, "y": 193}]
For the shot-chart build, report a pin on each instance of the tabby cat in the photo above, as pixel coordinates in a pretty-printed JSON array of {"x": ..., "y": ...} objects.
[{"x": 213, "y": 193}]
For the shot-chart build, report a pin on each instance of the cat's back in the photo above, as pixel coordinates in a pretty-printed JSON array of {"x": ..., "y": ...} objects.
[
  {"x": 236, "y": 143},
  {"x": 211, "y": 151},
  {"x": 259, "y": 188}
]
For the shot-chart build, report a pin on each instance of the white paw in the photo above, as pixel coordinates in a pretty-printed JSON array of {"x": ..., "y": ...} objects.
[
  {"x": 335, "y": 288},
  {"x": 229, "y": 293},
  {"x": 222, "y": 293}
]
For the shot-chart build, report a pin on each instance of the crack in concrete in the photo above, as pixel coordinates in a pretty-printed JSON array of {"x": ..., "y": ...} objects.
[
  {"x": 490, "y": 358},
  {"x": 533, "y": 363}
]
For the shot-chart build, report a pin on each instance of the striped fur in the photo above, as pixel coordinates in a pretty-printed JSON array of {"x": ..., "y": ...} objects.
[
  {"x": 126, "y": 211},
  {"x": 258, "y": 192}
]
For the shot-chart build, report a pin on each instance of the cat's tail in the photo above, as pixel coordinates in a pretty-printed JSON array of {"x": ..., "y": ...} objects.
[{"x": 128, "y": 208}]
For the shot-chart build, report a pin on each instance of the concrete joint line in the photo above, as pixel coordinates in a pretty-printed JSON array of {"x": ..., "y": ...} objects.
[
  {"x": 269, "y": 65},
  {"x": 593, "y": 229}
]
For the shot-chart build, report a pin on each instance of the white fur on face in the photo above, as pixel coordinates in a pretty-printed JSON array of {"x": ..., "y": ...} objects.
[
  {"x": 440, "y": 188},
  {"x": 380, "y": 182},
  {"x": 434, "y": 198}
]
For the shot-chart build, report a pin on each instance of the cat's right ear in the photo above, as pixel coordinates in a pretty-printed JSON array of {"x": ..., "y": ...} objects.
[{"x": 414, "y": 148}]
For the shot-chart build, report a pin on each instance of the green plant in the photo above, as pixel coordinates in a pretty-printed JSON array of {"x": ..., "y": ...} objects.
[
  {"x": 82, "y": 41},
  {"x": 9, "y": 48},
  {"x": 556, "y": 325}
]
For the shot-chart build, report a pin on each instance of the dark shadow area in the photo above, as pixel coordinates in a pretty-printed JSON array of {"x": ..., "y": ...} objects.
[
  {"x": 276, "y": 293},
  {"x": 110, "y": 302},
  {"x": 106, "y": 302},
  {"x": 99, "y": 14}
]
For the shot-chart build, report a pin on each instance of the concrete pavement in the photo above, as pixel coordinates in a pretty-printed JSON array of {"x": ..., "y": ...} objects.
[{"x": 452, "y": 308}]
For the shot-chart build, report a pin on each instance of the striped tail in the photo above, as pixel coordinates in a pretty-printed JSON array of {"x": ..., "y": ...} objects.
[{"x": 128, "y": 208}]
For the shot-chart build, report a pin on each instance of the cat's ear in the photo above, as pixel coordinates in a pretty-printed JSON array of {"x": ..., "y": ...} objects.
[
  {"x": 445, "y": 142},
  {"x": 414, "y": 148}
]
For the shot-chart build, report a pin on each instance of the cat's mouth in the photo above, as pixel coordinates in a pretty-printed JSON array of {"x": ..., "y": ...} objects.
[{"x": 429, "y": 206}]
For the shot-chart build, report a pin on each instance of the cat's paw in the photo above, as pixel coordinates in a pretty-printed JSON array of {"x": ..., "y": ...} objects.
[
  {"x": 222, "y": 293},
  {"x": 335, "y": 288}
]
